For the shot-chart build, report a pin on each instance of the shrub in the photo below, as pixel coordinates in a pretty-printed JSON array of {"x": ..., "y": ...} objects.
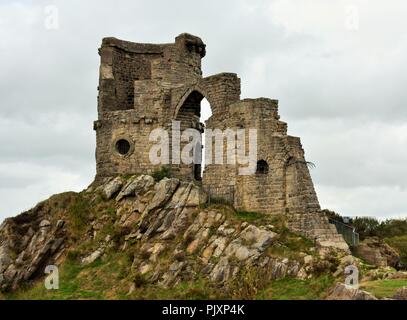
[
  {"x": 164, "y": 172},
  {"x": 366, "y": 226},
  {"x": 399, "y": 243},
  {"x": 371, "y": 227},
  {"x": 393, "y": 228},
  {"x": 139, "y": 280}
]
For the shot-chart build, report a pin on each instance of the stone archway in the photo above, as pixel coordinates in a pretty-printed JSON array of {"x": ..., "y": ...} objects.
[
  {"x": 197, "y": 91},
  {"x": 188, "y": 113}
]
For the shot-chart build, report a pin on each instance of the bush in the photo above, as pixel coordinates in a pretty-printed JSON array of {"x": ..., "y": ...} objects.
[
  {"x": 164, "y": 172},
  {"x": 399, "y": 243},
  {"x": 139, "y": 280},
  {"x": 371, "y": 227},
  {"x": 393, "y": 228},
  {"x": 72, "y": 256},
  {"x": 366, "y": 227}
]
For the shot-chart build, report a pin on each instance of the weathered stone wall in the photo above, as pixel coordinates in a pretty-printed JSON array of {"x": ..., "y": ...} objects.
[
  {"x": 124, "y": 125},
  {"x": 122, "y": 63},
  {"x": 286, "y": 186},
  {"x": 135, "y": 97}
]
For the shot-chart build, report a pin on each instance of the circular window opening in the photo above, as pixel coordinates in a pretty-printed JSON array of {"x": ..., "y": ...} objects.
[{"x": 123, "y": 146}]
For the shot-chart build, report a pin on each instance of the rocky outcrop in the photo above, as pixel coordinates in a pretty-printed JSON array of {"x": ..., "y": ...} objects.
[
  {"x": 202, "y": 241},
  {"x": 376, "y": 252},
  {"x": 112, "y": 187},
  {"x": 343, "y": 292},
  {"x": 384, "y": 273},
  {"x": 29, "y": 242},
  {"x": 165, "y": 226}
]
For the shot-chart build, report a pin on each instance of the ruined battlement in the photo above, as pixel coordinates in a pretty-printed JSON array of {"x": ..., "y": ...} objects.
[
  {"x": 143, "y": 87},
  {"x": 127, "y": 69}
]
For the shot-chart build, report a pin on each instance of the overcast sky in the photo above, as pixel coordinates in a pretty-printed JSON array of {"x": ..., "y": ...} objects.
[{"x": 338, "y": 68}]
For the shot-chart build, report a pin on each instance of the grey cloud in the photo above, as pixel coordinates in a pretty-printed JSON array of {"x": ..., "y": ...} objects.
[
  {"x": 350, "y": 154},
  {"x": 342, "y": 92}
]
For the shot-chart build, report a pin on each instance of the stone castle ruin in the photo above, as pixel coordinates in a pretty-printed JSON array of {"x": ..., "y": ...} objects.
[{"x": 143, "y": 87}]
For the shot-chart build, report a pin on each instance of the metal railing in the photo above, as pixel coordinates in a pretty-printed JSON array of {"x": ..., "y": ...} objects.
[
  {"x": 349, "y": 233},
  {"x": 221, "y": 195}
]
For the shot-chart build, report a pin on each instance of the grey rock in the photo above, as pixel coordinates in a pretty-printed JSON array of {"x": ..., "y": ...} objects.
[
  {"x": 259, "y": 238},
  {"x": 112, "y": 187},
  {"x": 163, "y": 192},
  {"x": 136, "y": 186},
  {"x": 45, "y": 224},
  {"x": 378, "y": 253},
  {"x": 5, "y": 259},
  {"x": 343, "y": 292},
  {"x": 92, "y": 257}
]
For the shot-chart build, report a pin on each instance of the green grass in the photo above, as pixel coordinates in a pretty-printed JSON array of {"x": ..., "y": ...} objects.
[
  {"x": 128, "y": 176},
  {"x": 383, "y": 288},
  {"x": 69, "y": 288},
  {"x": 249, "y": 216},
  {"x": 187, "y": 290},
  {"x": 290, "y": 245},
  {"x": 295, "y": 289},
  {"x": 99, "y": 280},
  {"x": 79, "y": 212}
]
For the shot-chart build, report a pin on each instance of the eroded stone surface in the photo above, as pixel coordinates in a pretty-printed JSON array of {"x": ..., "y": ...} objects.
[
  {"x": 378, "y": 253},
  {"x": 343, "y": 292}
]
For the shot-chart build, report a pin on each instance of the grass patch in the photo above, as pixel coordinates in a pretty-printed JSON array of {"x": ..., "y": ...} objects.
[
  {"x": 249, "y": 216},
  {"x": 79, "y": 212},
  {"x": 295, "y": 289},
  {"x": 103, "y": 279},
  {"x": 164, "y": 172},
  {"x": 290, "y": 244},
  {"x": 383, "y": 288},
  {"x": 127, "y": 177},
  {"x": 187, "y": 290},
  {"x": 234, "y": 215}
]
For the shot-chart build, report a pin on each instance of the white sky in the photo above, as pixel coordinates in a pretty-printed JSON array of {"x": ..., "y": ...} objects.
[{"x": 338, "y": 68}]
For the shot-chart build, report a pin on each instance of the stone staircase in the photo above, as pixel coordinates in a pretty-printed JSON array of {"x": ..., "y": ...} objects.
[{"x": 316, "y": 226}]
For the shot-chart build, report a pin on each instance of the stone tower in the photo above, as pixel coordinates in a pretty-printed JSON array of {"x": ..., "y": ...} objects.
[{"x": 143, "y": 87}]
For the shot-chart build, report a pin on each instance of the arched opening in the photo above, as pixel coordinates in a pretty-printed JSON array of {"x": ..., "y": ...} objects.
[
  {"x": 262, "y": 167},
  {"x": 191, "y": 108},
  {"x": 206, "y": 113},
  {"x": 193, "y": 113}
]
